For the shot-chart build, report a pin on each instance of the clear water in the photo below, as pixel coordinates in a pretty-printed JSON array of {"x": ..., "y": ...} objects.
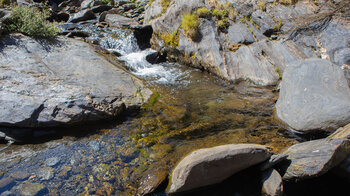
[{"x": 193, "y": 110}]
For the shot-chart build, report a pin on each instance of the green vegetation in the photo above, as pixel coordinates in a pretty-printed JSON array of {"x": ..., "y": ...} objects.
[
  {"x": 153, "y": 100},
  {"x": 261, "y": 5},
  {"x": 220, "y": 14},
  {"x": 223, "y": 24},
  {"x": 30, "y": 21},
  {"x": 203, "y": 12},
  {"x": 287, "y": 2},
  {"x": 279, "y": 73},
  {"x": 190, "y": 25},
  {"x": 3, "y": 3},
  {"x": 230, "y": 10},
  {"x": 278, "y": 26},
  {"x": 110, "y": 2},
  {"x": 171, "y": 39},
  {"x": 165, "y": 4},
  {"x": 150, "y": 2}
]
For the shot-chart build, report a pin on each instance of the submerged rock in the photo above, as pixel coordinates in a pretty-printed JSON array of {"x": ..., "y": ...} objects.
[
  {"x": 314, "y": 96},
  {"x": 33, "y": 189},
  {"x": 314, "y": 158},
  {"x": 272, "y": 184},
  {"x": 47, "y": 84},
  {"x": 213, "y": 165}
]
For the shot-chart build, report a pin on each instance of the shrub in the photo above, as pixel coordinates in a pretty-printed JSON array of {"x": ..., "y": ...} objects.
[
  {"x": 230, "y": 10},
  {"x": 165, "y": 4},
  {"x": 190, "y": 25},
  {"x": 3, "y": 3},
  {"x": 261, "y": 5},
  {"x": 219, "y": 13},
  {"x": 223, "y": 24},
  {"x": 278, "y": 26},
  {"x": 203, "y": 12},
  {"x": 171, "y": 39},
  {"x": 30, "y": 21}
]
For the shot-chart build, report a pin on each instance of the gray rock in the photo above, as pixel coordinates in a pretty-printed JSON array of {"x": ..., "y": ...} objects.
[
  {"x": 152, "y": 180},
  {"x": 33, "y": 189},
  {"x": 101, "y": 8},
  {"x": 239, "y": 33},
  {"x": 86, "y": 4},
  {"x": 213, "y": 165},
  {"x": 272, "y": 184},
  {"x": 115, "y": 20},
  {"x": 273, "y": 160},
  {"x": 52, "y": 161},
  {"x": 342, "y": 132},
  {"x": 154, "y": 10},
  {"x": 50, "y": 84},
  {"x": 314, "y": 158},
  {"x": 82, "y": 16},
  {"x": 265, "y": 22},
  {"x": 343, "y": 169},
  {"x": 314, "y": 96}
]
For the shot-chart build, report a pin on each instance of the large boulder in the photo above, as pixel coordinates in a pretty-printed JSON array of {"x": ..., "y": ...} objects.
[
  {"x": 314, "y": 96},
  {"x": 314, "y": 158},
  {"x": 213, "y": 165},
  {"x": 82, "y": 16},
  {"x": 63, "y": 82}
]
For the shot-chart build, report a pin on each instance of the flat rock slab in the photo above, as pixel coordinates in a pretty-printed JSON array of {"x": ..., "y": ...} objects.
[
  {"x": 63, "y": 82},
  {"x": 314, "y": 158},
  {"x": 213, "y": 165},
  {"x": 314, "y": 96},
  {"x": 342, "y": 132}
]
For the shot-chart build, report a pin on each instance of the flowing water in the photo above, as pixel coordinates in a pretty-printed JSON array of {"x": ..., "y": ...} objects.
[{"x": 190, "y": 109}]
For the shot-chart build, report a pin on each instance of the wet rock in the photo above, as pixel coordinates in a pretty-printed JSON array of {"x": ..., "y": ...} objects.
[
  {"x": 82, "y": 16},
  {"x": 313, "y": 158},
  {"x": 45, "y": 173},
  {"x": 272, "y": 184},
  {"x": 20, "y": 175},
  {"x": 78, "y": 34},
  {"x": 128, "y": 7},
  {"x": 152, "y": 180},
  {"x": 59, "y": 17},
  {"x": 273, "y": 160},
  {"x": 143, "y": 35},
  {"x": 6, "y": 184},
  {"x": 239, "y": 33},
  {"x": 95, "y": 146},
  {"x": 156, "y": 58},
  {"x": 213, "y": 165},
  {"x": 342, "y": 132},
  {"x": 115, "y": 20},
  {"x": 52, "y": 161},
  {"x": 42, "y": 89},
  {"x": 33, "y": 189},
  {"x": 314, "y": 96}
]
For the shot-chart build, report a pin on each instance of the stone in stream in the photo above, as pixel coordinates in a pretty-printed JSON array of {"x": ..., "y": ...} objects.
[
  {"x": 272, "y": 184},
  {"x": 313, "y": 158},
  {"x": 20, "y": 175},
  {"x": 273, "y": 160},
  {"x": 152, "y": 180},
  {"x": 314, "y": 96},
  {"x": 52, "y": 161},
  {"x": 32, "y": 189},
  {"x": 6, "y": 184},
  {"x": 213, "y": 165},
  {"x": 47, "y": 84}
]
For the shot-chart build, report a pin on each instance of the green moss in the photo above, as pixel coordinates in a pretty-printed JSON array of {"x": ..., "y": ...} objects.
[
  {"x": 190, "y": 25},
  {"x": 203, "y": 12},
  {"x": 279, "y": 73},
  {"x": 153, "y": 100},
  {"x": 4, "y": 3},
  {"x": 171, "y": 39},
  {"x": 30, "y": 21}
]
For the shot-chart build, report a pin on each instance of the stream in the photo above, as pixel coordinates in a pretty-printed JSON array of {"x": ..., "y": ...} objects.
[{"x": 190, "y": 109}]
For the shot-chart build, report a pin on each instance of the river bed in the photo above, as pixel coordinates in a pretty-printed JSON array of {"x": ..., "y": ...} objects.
[{"x": 190, "y": 109}]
